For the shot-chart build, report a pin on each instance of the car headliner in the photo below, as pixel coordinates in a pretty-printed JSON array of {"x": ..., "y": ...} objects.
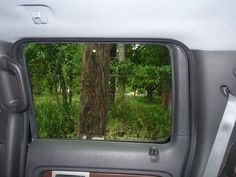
[{"x": 202, "y": 24}]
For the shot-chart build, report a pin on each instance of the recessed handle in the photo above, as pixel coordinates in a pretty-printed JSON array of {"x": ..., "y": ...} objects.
[{"x": 69, "y": 174}]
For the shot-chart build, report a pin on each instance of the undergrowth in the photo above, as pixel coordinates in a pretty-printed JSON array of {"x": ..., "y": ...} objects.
[{"x": 132, "y": 118}]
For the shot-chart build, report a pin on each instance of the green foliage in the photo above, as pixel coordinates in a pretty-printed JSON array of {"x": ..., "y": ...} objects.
[
  {"x": 141, "y": 120},
  {"x": 149, "y": 67},
  {"x": 47, "y": 63},
  {"x": 52, "y": 120},
  {"x": 55, "y": 71}
]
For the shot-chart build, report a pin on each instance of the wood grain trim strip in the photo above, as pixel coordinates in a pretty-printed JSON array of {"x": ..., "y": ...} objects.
[
  {"x": 47, "y": 174},
  {"x": 117, "y": 175}
]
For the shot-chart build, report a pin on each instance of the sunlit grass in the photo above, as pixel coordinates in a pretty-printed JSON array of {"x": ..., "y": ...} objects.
[{"x": 133, "y": 118}]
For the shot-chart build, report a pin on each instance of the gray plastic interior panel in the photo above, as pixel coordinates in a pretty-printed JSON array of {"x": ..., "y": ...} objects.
[
  {"x": 5, "y": 49},
  {"x": 213, "y": 69},
  {"x": 120, "y": 157},
  {"x": 13, "y": 125},
  {"x": 202, "y": 24},
  {"x": 229, "y": 169},
  {"x": 125, "y": 157}
]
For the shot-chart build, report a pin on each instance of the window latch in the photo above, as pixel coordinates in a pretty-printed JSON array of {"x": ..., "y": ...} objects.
[{"x": 153, "y": 151}]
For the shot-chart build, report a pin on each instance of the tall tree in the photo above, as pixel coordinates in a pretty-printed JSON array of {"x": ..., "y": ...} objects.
[
  {"x": 112, "y": 79},
  {"x": 121, "y": 78},
  {"x": 93, "y": 93}
]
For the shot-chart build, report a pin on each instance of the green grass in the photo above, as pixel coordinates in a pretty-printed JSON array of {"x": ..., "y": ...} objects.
[
  {"x": 136, "y": 118},
  {"x": 53, "y": 120},
  {"x": 133, "y": 118}
]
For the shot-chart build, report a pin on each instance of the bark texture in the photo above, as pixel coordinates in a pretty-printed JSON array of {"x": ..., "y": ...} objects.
[
  {"x": 121, "y": 79},
  {"x": 93, "y": 93},
  {"x": 112, "y": 80}
]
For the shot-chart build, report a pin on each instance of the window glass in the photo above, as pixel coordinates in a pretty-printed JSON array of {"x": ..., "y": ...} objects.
[{"x": 101, "y": 91}]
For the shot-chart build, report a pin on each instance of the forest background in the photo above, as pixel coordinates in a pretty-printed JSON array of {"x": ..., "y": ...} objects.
[{"x": 108, "y": 91}]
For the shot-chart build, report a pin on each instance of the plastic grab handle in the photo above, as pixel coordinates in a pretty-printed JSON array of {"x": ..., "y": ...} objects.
[{"x": 21, "y": 103}]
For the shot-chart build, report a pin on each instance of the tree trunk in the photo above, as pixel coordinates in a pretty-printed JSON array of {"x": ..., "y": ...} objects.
[
  {"x": 166, "y": 94},
  {"x": 112, "y": 80},
  {"x": 93, "y": 93},
  {"x": 150, "y": 94},
  {"x": 121, "y": 78},
  {"x": 169, "y": 105},
  {"x": 63, "y": 87},
  {"x": 70, "y": 84},
  {"x": 55, "y": 85},
  {"x": 164, "y": 100}
]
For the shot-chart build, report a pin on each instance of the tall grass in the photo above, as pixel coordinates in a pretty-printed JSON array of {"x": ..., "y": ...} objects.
[
  {"x": 133, "y": 118},
  {"x": 53, "y": 120},
  {"x": 136, "y": 118}
]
